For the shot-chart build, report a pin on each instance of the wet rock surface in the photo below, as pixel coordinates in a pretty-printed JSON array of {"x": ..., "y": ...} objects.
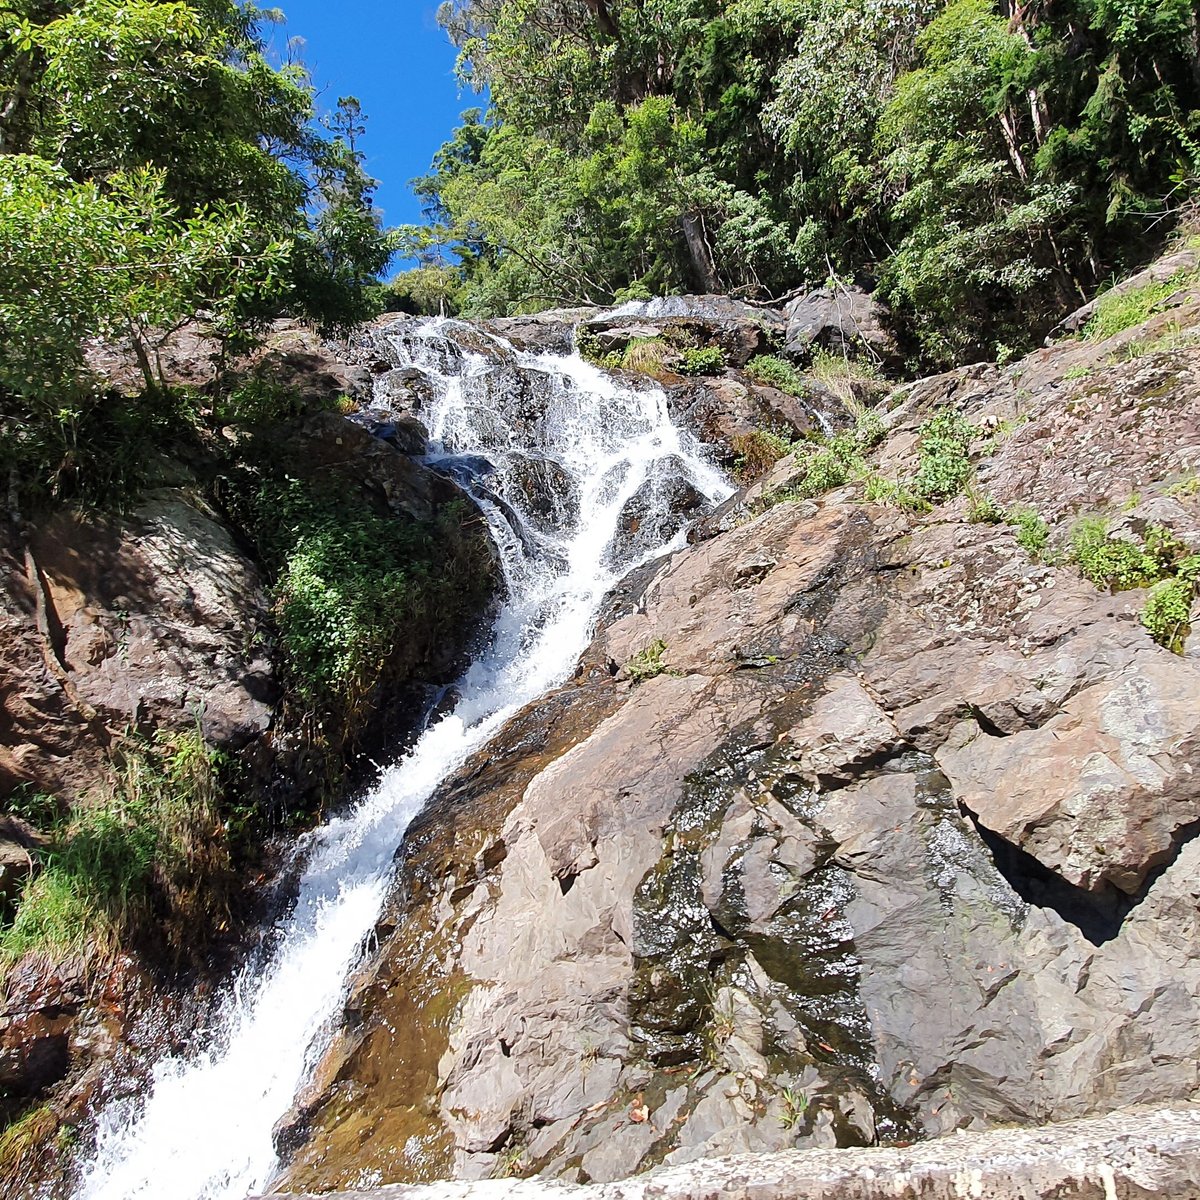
[
  {"x": 855, "y": 826},
  {"x": 1129, "y": 1156}
]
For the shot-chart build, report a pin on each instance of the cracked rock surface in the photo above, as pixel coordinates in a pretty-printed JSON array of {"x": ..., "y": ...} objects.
[{"x": 898, "y": 843}]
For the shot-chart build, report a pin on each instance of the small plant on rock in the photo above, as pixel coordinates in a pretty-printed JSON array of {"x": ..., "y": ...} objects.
[
  {"x": 945, "y": 455},
  {"x": 1032, "y": 532},
  {"x": 982, "y": 509},
  {"x": 881, "y": 490},
  {"x": 857, "y": 384},
  {"x": 795, "y": 1105},
  {"x": 1167, "y": 615},
  {"x": 777, "y": 373},
  {"x": 647, "y": 356},
  {"x": 702, "y": 360},
  {"x": 1110, "y": 563},
  {"x": 647, "y": 663}
]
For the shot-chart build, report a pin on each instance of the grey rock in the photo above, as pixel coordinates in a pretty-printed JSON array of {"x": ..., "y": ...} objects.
[{"x": 845, "y": 319}]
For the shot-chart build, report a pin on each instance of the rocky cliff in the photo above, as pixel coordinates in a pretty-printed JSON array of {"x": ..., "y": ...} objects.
[
  {"x": 121, "y": 629},
  {"x": 863, "y": 820}
]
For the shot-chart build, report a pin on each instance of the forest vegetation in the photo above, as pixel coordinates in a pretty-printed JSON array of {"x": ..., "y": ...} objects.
[
  {"x": 156, "y": 167},
  {"x": 980, "y": 166}
]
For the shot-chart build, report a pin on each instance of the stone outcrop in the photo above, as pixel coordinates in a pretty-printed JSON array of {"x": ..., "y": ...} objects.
[
  {"x": 741, "y": 330},
  {"x": 888, "y": 835},
  {"x": 843, "y": 319},
  {"x": 156, "y": 620},
  {"x": 143, "y": 622},
  {"x": 1131, "y": 1155}
]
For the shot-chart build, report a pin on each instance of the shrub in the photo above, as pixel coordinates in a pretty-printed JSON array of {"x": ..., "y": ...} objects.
[
  {"x": 1109, "y": 562},
  {"x": 704, "y": 360},
  {"x": 359, "y": 597},
  {"x": 945, "y": 455},
  {"x": 1168, "y": 612},
  {"x": 758, "y": 451},
  {"x": 1032, "y": 531},
  {"x": 777, "y": 373}
]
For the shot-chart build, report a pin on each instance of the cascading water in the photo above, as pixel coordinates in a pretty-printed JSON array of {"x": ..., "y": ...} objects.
[{"x": 580, "y": 478}]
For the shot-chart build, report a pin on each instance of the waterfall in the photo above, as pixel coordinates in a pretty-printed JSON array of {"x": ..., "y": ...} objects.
[{"x": 580, "y": 477}]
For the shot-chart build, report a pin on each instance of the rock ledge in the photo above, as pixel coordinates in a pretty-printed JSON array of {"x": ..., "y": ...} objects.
[{"x": 1139, "y": 1153}]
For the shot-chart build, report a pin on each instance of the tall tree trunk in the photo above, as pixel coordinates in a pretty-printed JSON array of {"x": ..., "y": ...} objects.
[
  {"x": 604, "y": 17},
  {"x": 699, "y": 253}
]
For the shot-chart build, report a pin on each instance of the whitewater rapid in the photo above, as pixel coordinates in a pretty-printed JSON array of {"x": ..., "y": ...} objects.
[{"x": 203, "y": 1128}]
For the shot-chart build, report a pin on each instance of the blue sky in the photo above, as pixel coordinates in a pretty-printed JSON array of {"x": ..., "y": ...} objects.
[{"x": 392, "y": 55}]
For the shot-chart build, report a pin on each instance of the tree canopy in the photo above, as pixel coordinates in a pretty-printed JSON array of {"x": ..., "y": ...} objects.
[
  {"x": 155, "y": 167},
  {"x": 977, "y": 163}
]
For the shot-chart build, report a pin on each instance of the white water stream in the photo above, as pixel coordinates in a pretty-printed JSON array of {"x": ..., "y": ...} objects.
[{"x": 498, "y": 419}]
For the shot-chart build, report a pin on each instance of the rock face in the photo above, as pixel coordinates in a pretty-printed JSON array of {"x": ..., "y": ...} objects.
[
  {"x": 1129, "y": 1156},
  {"x": 147, "y": 622},
  {"x": 896, "y": 842},
  {"x": 844, "y": 319}
]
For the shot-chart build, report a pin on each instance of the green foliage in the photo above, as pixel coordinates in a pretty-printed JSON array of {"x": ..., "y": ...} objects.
[
  {"x": 647, "y": 663},
  {"x": 702, "y": 360},
  {"x": 1123, "y": 308},
  {"x": 1032, "y": 532},
  {"x": 945, "y": 455},
  {"x": 777, "y": 373},
  {"x": 987, "y": 165},
  {"x": 881, "y": 490},
  {"x": 22, "y": 1147},
  {"x": 141, "y": 858},
  {"x": 358, "y": 596},
  {"x": 1110, "y": 563},
  {"x": 1167, "y": 615},
  {"x": 155, "y": 169},
  {"x": 795, "y": 1105}
]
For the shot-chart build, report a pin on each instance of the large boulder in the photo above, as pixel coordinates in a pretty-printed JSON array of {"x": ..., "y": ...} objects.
[
  {"x": 845, "y": 319},
  {"x": 740, "y": 330}
]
